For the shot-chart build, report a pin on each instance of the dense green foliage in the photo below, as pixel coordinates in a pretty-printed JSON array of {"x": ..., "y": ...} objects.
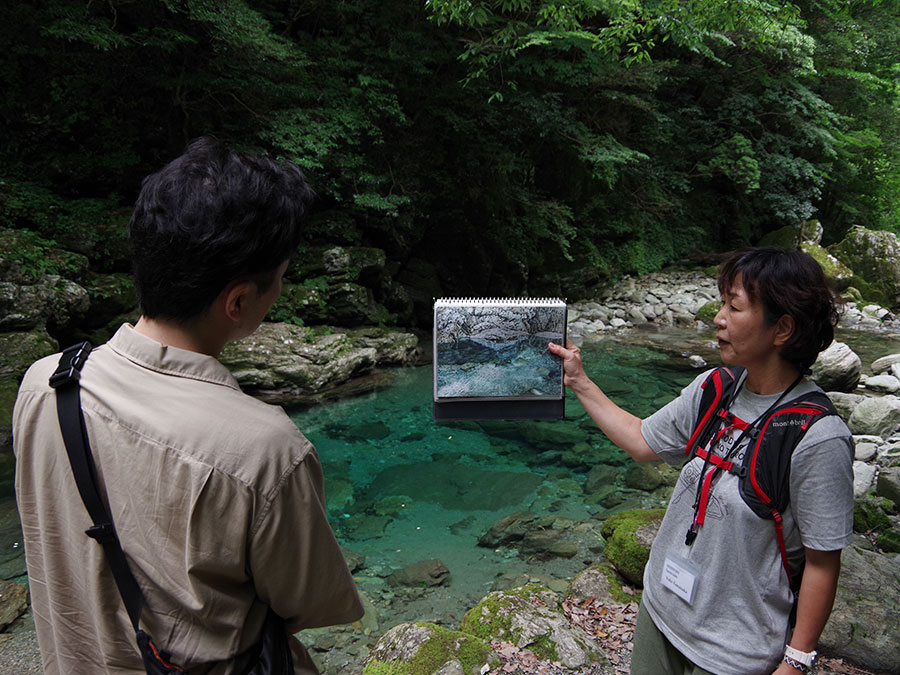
[{"x": 510, "y": 146}]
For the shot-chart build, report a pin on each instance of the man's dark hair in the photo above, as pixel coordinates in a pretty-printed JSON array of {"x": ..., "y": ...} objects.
[
  {"x": 787, "y": 282},
  {"x": 210, "y": 217}
]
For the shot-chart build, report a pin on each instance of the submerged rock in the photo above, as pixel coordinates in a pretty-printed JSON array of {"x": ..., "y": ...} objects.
[{"x": 421, "y": 574}]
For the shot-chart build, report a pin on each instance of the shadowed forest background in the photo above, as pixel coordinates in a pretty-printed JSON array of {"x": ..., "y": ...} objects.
[{"x": 486, "y": 146}]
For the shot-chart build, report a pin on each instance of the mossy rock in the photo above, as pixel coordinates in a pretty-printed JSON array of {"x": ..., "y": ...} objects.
[
  {"x": 787, "y": 237},
  {"x": 707, "y": 313},
  {"x": 628, "y": 538},
  {"x": 839, "y": 274},
  {"x": 428, "y": 649},
  {"x": 889, "y": 542},
  {"x": 871, "y": 514},
  {"x": 531, "y": 617},
  {"x": 874, "y": 257},
  {"x": 18, "y": 350}
]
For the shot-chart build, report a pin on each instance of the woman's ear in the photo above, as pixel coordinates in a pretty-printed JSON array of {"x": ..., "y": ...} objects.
[{"x": 784, "y": 329}]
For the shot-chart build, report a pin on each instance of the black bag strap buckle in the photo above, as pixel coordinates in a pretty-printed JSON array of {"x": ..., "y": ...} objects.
[
  {"x": 105, "y": 533},
  {"x": 70, "y": 364}
]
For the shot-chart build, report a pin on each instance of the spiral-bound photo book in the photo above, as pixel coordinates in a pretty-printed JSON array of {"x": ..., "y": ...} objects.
[{"x": 491, "y": 359}]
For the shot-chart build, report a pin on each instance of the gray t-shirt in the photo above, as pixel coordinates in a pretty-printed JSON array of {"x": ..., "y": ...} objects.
[{"x": 737, "y": 620}]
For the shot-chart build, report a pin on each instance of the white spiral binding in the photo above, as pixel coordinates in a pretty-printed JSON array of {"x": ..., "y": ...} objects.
[{"x": 499, "y": 301}]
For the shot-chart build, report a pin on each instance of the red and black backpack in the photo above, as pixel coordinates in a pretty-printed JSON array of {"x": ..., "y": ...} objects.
[{"x": 765, "y": 471}]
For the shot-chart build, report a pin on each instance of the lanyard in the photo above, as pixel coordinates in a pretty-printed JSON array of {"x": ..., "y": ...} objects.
[{"x": 730, "y": 421}]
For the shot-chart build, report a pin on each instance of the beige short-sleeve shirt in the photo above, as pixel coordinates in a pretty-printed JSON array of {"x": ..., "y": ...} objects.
[{"x": 217, "y": 498}]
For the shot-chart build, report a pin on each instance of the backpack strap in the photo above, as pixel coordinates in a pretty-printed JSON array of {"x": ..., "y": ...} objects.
[
  {"x": 74, "y": 432},
  {"x": 717, "y": 390},
  {"x": 765, "y": 484}
]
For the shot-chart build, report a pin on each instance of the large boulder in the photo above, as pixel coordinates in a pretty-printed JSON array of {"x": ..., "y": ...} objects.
[
  {"x": 427, "y": 649},
  {"x": 52, "y": 300},
  {"x": 845, "y": 403},
  {"x": 865, "y": 623},
  {"x": 837, "y": 368},
  {"x": 876, "y": 416},
  {"x": 531, "y": 617},
  {"x": 808, "y": 237},
  {"x": 874, "y": 257},
  {"x": 334, "y": 285},
  {"x": 284, "y": 363}
]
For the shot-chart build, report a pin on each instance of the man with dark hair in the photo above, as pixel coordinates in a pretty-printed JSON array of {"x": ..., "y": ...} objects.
[{"x": 217, "y": 498}]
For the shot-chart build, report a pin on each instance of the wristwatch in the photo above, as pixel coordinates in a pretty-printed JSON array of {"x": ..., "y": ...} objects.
[{"x": 802, "y": 661}]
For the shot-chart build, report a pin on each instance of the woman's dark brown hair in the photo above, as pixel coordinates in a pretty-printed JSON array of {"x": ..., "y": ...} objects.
[{"x": 787, "y": 282}]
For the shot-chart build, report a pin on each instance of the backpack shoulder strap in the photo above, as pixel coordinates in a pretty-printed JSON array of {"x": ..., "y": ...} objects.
[{"x": 717, "y": 390}]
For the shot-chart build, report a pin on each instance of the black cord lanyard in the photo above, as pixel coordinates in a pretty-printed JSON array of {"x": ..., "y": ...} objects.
[{"x": 750, "y": 430}]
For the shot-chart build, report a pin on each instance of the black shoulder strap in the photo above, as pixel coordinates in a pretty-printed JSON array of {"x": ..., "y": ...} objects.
[
  {"x": 74, "y": 432},
  {"x": 718, "y": 389}
]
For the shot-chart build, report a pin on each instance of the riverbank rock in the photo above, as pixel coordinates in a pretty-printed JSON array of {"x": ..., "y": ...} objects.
[
  {"x": 13, "y": 602},
  {"x": 865, "y": 623},
  {"x": 629, "y": 536},
  {"x": 876, "y": 416},
  {"x": 428, "y": 649},
  {"x": 837, "y": 368},
  {"x": 531, "y": 617},
  {"x": 283, "y": 363}
]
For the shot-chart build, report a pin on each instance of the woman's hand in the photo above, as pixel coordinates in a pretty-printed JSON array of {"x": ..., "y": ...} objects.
[
  {"x": 622, "y": 428},
  {"x": 574, "y": 376},
  {"x": 786, "y": 669}
]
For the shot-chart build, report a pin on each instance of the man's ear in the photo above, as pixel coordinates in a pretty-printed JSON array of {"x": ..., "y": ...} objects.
[
  {"x": 234, "y": 298},
  {"x": 784, "y": 329}
]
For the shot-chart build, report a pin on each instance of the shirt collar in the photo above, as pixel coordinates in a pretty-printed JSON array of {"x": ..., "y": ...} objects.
[{"x": 149, "y": 353}]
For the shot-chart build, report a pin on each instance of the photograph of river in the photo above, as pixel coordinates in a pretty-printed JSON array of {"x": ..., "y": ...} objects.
[{"x": 497, "y": 348}]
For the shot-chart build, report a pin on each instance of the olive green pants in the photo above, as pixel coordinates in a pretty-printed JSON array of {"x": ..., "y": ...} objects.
[{"x": 653, "y": 654}]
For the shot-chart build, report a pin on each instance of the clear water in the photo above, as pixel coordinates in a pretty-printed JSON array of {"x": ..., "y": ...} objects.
[{"x": 401, "y": 488}]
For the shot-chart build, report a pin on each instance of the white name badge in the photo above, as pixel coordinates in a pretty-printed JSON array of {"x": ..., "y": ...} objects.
[{"x": 680, "y": 577}]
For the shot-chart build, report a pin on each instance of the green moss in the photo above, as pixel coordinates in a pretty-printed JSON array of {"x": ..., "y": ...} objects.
[
  {"x": 707, "y": 313},
  {"x": 487, "y": 619},
  {"x": 615, "y": 585},
  {"x": 544, "y": 648},
  {"x": 889, "y": 542},
  {"x": 630, "y": 520},
  {"x": 870, "y": 514},
  {"x": 833, "y": 268},
  {"x": 785, "y": 237},
  {"x": 442, "y": 646},
  {"x": 622, "y": 548}
]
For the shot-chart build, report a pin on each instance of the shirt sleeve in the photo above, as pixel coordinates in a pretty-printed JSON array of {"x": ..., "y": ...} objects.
[
  {"x": 822, "y": 486},
  {"x": 668, "y": 430},
  {"x": 296, "y": 563}
]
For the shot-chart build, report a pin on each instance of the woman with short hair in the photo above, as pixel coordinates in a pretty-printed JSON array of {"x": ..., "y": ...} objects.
[{"x": 766, "y": 482}]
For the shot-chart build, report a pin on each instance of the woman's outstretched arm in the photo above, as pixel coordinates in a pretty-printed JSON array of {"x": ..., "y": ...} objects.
[{"x": 620, "y": 426}]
